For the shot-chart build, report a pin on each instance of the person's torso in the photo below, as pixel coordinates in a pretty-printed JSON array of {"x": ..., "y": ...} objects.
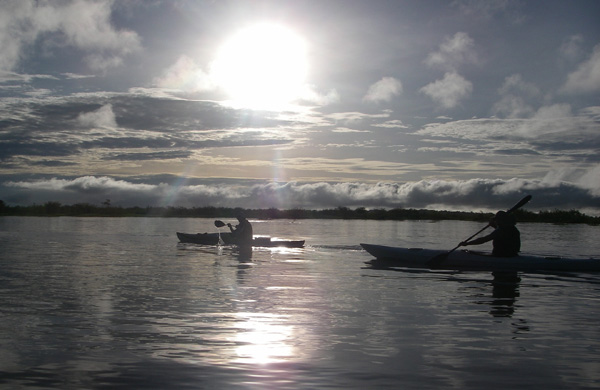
[{"x": 507, "y": 241}]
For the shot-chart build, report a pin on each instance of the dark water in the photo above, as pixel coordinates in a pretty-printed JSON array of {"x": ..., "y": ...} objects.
[{"x": 118, "y": 303}]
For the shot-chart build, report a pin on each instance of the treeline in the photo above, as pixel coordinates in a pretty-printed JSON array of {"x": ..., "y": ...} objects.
[{"x": 107, "y": 210}]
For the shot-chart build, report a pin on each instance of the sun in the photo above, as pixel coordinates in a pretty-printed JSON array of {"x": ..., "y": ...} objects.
[{"x": 262, "y": 66}]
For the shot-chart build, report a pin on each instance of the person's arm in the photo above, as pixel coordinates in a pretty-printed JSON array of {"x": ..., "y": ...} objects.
[{"x": 478, "y": 241}]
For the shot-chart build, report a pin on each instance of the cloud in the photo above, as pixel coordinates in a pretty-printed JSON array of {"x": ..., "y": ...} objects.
[
  {"x": 104, "y": 117},
  {"x": 586, "y": 79},
  {"x": 553, "y": 132},
  {"x": 515, "y": 95},
  {"x": 453, "y": 52},
  {"x": 449, "y": 91},
  {"x": 383, "y": 90},
  {"x": 163, "y": 155},
  {"x": 571, "y": 49},
  {"x": 563, "y": 191},
  {"x": 555, "y": 119},
  {"x": 311, "y": 95},
  {"x": 354, "y": 117},
  {"x": 589, "y": 179},
  {"x": 85, "y": 130},
  {"x": 585, "y": 178},
  {"x": 391, "y": 124},
  {"x": 491, "y": 8},
  {"x": 82, "y": 24},
  {"x": 187, "y": 76}
]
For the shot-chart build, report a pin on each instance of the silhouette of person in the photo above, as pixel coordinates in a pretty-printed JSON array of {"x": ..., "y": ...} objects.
[
  {"x": 241, "y": 233},
  {"x": 506, "y": 238}
]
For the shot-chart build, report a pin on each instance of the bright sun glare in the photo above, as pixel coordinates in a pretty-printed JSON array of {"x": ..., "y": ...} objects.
[{"x": 263, "y": 66}]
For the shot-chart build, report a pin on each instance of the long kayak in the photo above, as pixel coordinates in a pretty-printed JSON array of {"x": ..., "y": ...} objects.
[
  {"x": 464, "y": 260},
  {"x": 227, "y": 239}
]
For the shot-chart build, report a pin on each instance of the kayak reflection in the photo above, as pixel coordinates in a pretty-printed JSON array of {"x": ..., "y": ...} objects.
[{"x": 505, "y": 286}]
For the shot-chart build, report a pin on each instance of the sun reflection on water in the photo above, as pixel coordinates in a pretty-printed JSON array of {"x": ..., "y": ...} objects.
[{"x": 262, "y": 338}]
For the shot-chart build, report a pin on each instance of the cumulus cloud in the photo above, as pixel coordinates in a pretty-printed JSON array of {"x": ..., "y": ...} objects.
[
  {"x": 449, "y": 91},
  {"x": 83, "y": 24},
  {"x": 564, "y": 191},
  {"x": 516, "y": 97},
  {"x": 454, "y": 51},
  {"x": 185, "y": 75},
  {"x": 311, "y": 95},
  {"x": 571, "y": 49},
  {"x": 586, "y": 79},
  {"x": 383, "y": 90},
  {"x": 104, "y": 118}
]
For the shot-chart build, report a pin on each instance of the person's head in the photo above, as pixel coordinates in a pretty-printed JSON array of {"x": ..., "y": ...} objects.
[
  {"x": 502, "y": 218},
  {"x": 240, "y": 216}
]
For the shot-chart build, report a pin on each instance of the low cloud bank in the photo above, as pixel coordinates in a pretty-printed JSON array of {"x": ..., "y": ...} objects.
[{"x": 476, "y": 194}]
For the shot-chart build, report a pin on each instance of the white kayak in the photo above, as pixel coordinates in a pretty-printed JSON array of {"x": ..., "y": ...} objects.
[{"x": 464, "y": 260}]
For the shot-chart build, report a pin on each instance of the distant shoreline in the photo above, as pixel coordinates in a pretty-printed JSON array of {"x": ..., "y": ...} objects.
[{"x": 55, "y": 209}]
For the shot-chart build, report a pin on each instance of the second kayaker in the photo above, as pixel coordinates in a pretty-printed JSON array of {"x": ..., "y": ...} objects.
[{"x": 242, "y": 233}]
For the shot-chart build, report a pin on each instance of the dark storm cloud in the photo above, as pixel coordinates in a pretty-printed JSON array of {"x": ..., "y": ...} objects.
[{"x": 473, "y": 195}]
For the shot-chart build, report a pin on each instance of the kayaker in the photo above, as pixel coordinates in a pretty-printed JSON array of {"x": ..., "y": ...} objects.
[
  {"x": 506, "y": 238},
  {"x": 242, "y": 233}
]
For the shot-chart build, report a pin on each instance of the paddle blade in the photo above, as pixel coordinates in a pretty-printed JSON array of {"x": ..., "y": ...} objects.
[
  {"x": 438, "y": 259},
  {"x": 521, "y": 203},
  {"x": 219, "y": 223}
]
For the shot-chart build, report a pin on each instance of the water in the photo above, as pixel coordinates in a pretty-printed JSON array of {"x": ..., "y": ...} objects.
[{"x": 118, "y": 303}]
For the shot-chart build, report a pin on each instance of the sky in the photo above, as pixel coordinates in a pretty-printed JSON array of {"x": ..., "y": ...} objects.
[{"x": 456, "y": 105}]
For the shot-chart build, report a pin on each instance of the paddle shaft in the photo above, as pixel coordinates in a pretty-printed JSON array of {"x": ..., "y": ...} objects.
[{"x": 458, "y": 246}]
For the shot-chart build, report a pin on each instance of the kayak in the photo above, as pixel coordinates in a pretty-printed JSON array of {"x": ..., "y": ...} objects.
[
  {"x": 227, "y": 239},
  {"x": 465, "y": 260}
]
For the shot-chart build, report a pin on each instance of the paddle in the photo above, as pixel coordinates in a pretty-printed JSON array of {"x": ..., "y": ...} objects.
[
  {"x": 442, "y": 256},
  {"x": 219, "y": 223}
]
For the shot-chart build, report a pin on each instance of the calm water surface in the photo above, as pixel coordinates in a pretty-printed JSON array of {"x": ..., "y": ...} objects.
[{"x": 119, "y": 303}]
